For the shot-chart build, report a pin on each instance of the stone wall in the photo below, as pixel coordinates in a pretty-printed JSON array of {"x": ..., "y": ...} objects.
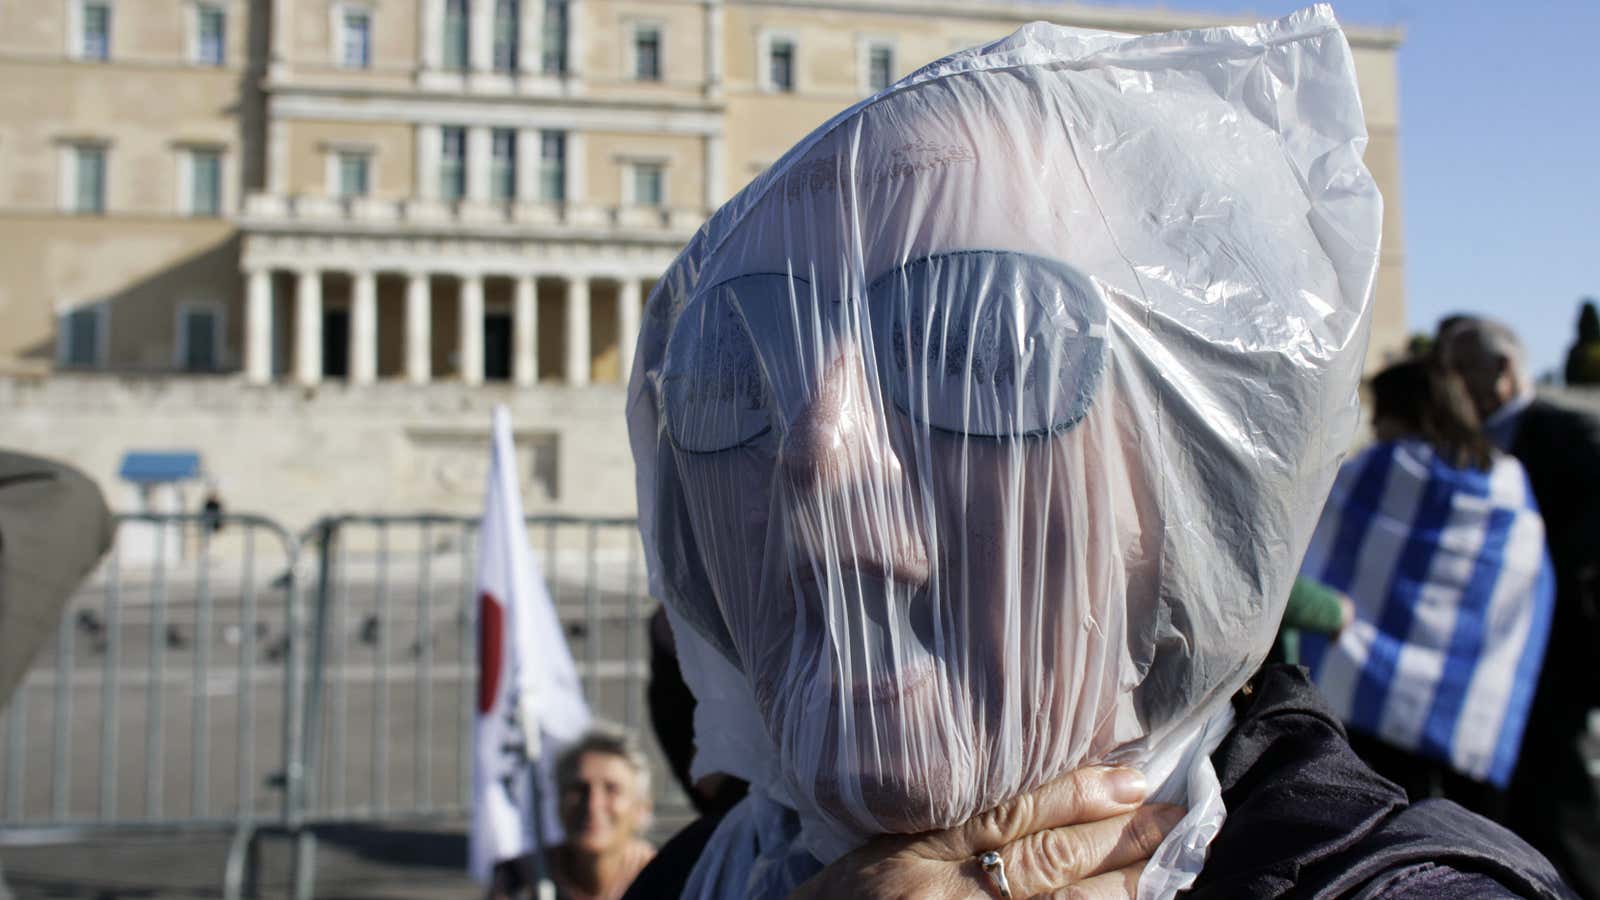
[{"x": 295, "y": 454}]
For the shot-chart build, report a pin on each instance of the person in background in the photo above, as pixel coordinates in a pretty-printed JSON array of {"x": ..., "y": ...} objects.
[
  {"x": 212, "y": 509},
  {"x": 1314, "y": 608},
  {"x": 1436, "y": 537},
  {"x": 54, "y": 527},
  {"x": 672, "y": 716},
  {"x": 604, "y": 788},
  {"x": 604, "y": 799},
  {"x": 1552, "y": 800}
]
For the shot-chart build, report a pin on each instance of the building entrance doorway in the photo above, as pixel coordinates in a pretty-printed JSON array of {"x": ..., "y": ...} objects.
[
  {"x": 497, "y": 347},
  {"x": 335, "y": 343}
]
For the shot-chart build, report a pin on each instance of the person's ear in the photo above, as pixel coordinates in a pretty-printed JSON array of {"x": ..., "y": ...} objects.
[{"x": 1505, "y": 380}]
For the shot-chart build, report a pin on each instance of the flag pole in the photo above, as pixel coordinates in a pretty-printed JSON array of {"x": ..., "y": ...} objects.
[
  {"x": 544, "y": 887},
  {"x": 530, "y": 702}
]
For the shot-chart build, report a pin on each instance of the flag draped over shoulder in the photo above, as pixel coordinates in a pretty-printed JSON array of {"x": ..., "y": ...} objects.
[
  {"x": 529, "y": 701},
  {"x": 1453, "y": 592}
]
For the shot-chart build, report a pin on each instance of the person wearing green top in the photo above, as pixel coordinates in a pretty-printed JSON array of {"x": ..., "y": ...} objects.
[{"x": 1313, "y": 607}]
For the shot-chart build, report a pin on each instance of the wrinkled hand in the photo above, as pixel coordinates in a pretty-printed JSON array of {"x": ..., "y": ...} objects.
[{"x": 1082, "y": 836}]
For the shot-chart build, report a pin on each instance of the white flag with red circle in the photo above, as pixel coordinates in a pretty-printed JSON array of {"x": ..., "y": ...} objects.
[{"x": 530, "y": 702}]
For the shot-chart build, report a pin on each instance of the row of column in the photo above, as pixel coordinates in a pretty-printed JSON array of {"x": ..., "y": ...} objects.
[
  {"x": 363, "y": 354},
  {"x": 480, "y": 34},
  {"x": 479, "y": 162}
]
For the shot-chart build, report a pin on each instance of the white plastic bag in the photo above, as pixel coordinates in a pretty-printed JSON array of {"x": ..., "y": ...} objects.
[{"x": 979, "y": 438}]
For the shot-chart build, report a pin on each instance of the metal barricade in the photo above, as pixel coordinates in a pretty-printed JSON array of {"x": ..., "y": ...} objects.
[
  {"x": 170, "y": 695},
  {"x": 390, "y": 695},
  {"x": 219, "y": 673}
]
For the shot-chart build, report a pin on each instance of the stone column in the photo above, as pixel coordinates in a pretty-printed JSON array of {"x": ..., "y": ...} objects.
[
  {"x": 525, "y": 332},
  {"x": 528, "y": 149},
  {"x": 577, "y": 170},
  {"x": 575, "y": 46},
  {"x": 363, "y": 328},
  {"x": 419, "y": 328},
  {"x": 308, "y": 327},
  {"x": 530, "y": 37},
  {"x": 578, "y": 330},
  {"x": 258, "y": 326},
  {"x": 431, "y": 29},
  {"x": 471, "y": 329},
  {"x": 713, "y": 42},
  {"x": 428, "y": 151},
  {"x": 277, "y": 161},
  {"x": 713, "y": 145},
  {"x": 281, "y": 25},
  {"x": 480, "y": 35},
  {"x": 627, "y": 325},
  {"x": 479, "y": 153}
]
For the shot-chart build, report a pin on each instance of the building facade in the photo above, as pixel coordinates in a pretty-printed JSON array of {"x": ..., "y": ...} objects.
[{"x": 316, "y": 239}]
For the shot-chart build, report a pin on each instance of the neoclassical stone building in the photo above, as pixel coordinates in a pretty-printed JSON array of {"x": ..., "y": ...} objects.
[{"x": 315, "y": 239}]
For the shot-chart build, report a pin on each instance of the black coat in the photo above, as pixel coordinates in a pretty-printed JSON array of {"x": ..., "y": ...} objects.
[
  {"x": 1553, "y": 802},
  {"x": 1306, "y": 818}
]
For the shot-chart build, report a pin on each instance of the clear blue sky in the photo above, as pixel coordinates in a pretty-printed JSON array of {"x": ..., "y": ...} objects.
[{"x": 1500, "y": 155}]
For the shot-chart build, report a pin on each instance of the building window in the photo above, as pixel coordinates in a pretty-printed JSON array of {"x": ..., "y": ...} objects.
[
  {"x": 780, "y": 64},
  {"x": 880, "y": 67},
  {"x": 649, "y": 184},
  {"x": 456, "y": 36},
  {"x": 453, "y": 163},
  {"x": 555, "y": 37},
  {"x": 355, "y": 38},
  {"x": 552, "y": 166},
  {"x": 95, "y": 30},
  {"x": 210, "y": 29},
  {"x": 88, "y": 184},
  {"x": 199, "y": 339},
  {"x": 506, "y": 15},
  {"x": 647, "y": 53},
  {"x": 353, "y": 171},
  {"x": 503, "y": 165},
  {"x": 205, "y": 183},
  {"x": 81, "y": 338}
]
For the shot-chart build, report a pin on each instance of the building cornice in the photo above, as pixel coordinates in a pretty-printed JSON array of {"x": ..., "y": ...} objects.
[
  {"x": 586, "y": 113},
  {"x": 366, "y": 218},
  {"x": 484, "y": 255},
  {"x": 1064, "y": 13},
  {"x": 227, "y": 72}
]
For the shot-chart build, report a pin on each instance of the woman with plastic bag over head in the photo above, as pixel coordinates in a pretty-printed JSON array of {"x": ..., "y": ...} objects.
[{"x": 978, "y": 441}]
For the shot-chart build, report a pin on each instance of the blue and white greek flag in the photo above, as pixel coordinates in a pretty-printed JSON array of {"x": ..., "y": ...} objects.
[{"x": 1453, "y": 592}]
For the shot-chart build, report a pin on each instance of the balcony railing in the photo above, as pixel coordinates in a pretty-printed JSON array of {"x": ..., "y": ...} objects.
[{"x": 279, "y": 211}]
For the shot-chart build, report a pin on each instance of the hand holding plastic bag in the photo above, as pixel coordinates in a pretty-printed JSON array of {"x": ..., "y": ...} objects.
[{"x": 1085, "y": 830}]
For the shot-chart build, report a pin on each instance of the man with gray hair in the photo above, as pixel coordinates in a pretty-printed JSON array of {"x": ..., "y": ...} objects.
[{"x": 1552, "y": 799}]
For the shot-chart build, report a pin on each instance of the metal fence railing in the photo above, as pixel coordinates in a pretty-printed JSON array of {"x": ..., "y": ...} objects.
[
  {"x": 221, "y": 673},
  {"x": 165, "y": 699},
  {"x": 389, "y": 700}
]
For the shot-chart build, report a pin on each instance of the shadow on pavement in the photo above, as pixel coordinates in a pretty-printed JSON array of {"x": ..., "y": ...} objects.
[
  {"x": 411, "y": 847},
  {"x": 409, "y": 861}
]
